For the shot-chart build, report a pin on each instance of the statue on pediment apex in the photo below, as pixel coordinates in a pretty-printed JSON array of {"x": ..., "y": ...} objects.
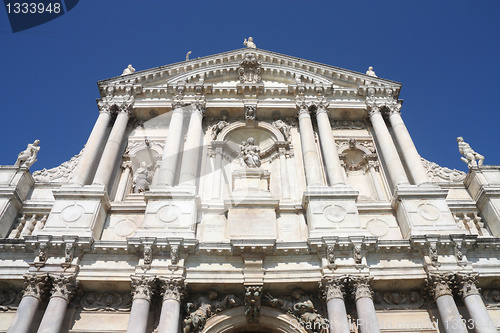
[
  {"x": 27, "y": 157},
  {"x": 249, "y": 44},
  {"x": 128, "y": 70},
  {"x": 371, "y": 72},
  {"x": 469, "y": 155}
]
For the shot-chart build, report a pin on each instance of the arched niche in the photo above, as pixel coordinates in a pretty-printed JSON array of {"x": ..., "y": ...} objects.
[
  {"x": 266, "y": 136},
  {"x": 270, "y": 321}
]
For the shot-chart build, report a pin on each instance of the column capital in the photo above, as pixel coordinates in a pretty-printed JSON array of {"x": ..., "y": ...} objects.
[
  {"x": 440, "y": 284},
  {"x": 361, "y": 287},
  {"x": 142, "y": 287},
  {"x": 104, "y": 107},
  {"x": 63, "y": 286},
  {"x": 467, "y": 282},
  {"x": 333, "y": 287},
  {"x": 172, "y": 288},
  {"x": 35, "y": 285},
  {"x": 321, "y": 102}
]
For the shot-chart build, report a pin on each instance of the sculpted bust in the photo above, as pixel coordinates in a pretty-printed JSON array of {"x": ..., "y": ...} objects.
[{"x": 469, "y": 155}]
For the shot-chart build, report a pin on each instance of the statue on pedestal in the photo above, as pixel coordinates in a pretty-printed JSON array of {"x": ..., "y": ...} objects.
[
  {"x": 250, "y": 154},
  {"x": 470, "y": 155},
  {"x": 27, "y": 157}
]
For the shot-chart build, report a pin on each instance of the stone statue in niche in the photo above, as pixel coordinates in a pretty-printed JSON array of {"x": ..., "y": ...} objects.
[
  {"x": 142, "y": 178},
  {"x": 469, "y": 154},
  {"x": 301, "y": 306},
  {"x": 250, "y": 154},
  {"x": 282, "y": 127},
  {"x": 217, "y": 128},
  {"x": 128, "y": 70},
  {"x": 27, "y": 157},
  {"x": 249, "y": 44}
]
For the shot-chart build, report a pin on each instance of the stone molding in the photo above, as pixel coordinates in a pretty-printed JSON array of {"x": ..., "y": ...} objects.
[
  {"x": 172, "y": 288},
  {"x": 142, "y": 287}
]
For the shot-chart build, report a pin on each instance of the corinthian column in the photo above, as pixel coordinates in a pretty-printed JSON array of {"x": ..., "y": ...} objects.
[
  {"x": 309, "y": 152},
  {"x": 448, "y": 311},
  {"x": 90, "y": 153},
  {"x": 328, "y": 146},
  {"x": 189, "y": 165},
  {"x": 112, "y": 148},
  {"x": 33, "y": 290},
  {"x": 62, "y": 290},
  {"x": 479, "y": 317},
  {"x": 410, "y": 154},
  {"x": 334, "y": 295},
  {"x": 367, "y": 317},
  {"x": 142, "y": 290},
  {"x": 171, "y": 150},
  {"x": 173, "y": 290}
]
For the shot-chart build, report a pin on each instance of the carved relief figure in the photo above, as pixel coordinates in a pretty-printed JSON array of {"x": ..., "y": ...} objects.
[
  {"x": 250, "y": 154},
  {"x": 217, "y": 128},
  {"x": 249, "y": 70},
  {"x": 250, "y": 111},
  {"x": 27, "y": 157},
  {"x": 142, "y": 178},
  {"x": 282, "y": 127},
  {"x": 470, "y": 156},
  {"x": 249, "y": 44}
]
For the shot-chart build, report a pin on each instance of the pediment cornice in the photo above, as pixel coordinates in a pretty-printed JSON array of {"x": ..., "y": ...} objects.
[{"x": 224, "y": 66}]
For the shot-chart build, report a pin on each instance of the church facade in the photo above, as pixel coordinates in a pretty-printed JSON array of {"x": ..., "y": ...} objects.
[{"x": 249, "y": 191}]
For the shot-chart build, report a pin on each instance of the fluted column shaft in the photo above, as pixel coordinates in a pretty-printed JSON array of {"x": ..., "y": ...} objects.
[
  {"x": 480, "y": 320},
  {"x": 53, "y": 317},
  {"x": 367, "y": 317},
  {"x": 33, "y": 291},
  {"x": 309, "y": 152},
  {"x": 189, "y": 165},
  {"x": 448, "y": 311},
  {"x": 142, "y": 290},
  {"x": 90, "y": 153},
  {"x": 410, "y": 153},
  {"x": 329, "y": 148},
  {"x": 171, "y": 307},
  {"x": 171, "y": 151},
  {"x": 112, "y": 149},
  {"x": 337, "y": 314},
  {"x": 387, "y": 148}
]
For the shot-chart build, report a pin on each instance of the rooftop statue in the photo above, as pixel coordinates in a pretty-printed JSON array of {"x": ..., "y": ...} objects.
[
  {"x": 27, "y": 157},
  {"x": 371, "y": 72},
  {"x": 470, "y": 155},
  {"x": 250, "y": 154},
  {"x": 128, "y": 70},
  {"x": 249, "y": 44},
  {"x": 187, "y": 55}
]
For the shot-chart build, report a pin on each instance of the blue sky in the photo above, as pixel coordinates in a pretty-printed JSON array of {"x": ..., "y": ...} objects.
[{"x": 445, "y": 53}]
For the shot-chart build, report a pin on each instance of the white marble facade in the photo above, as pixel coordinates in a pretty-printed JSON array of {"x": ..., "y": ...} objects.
[{"x": 249, "y": 191}]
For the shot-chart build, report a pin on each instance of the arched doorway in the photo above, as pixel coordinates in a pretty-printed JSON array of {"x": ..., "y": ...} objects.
[{"x": 270, "y": 321}]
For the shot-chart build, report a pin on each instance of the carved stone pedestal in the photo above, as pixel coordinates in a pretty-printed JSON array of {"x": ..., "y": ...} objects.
[
  {"x": 78, "y": 211},
  {"x": 170, "y": 212},
  {"x": 15, "y": 185},
  {"x": 484, "y": 186},
  {"x": 331, "y": 211},
  {"x": 423, "y": 210}
]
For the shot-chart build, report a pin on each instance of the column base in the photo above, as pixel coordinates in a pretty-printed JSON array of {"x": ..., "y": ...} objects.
[
  {"x": 423, "y": 210},
  {"x": 78, "y": 211}
]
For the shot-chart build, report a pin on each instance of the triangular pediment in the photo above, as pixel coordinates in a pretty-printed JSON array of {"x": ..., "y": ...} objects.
[{"x": 220, "y": 73}]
